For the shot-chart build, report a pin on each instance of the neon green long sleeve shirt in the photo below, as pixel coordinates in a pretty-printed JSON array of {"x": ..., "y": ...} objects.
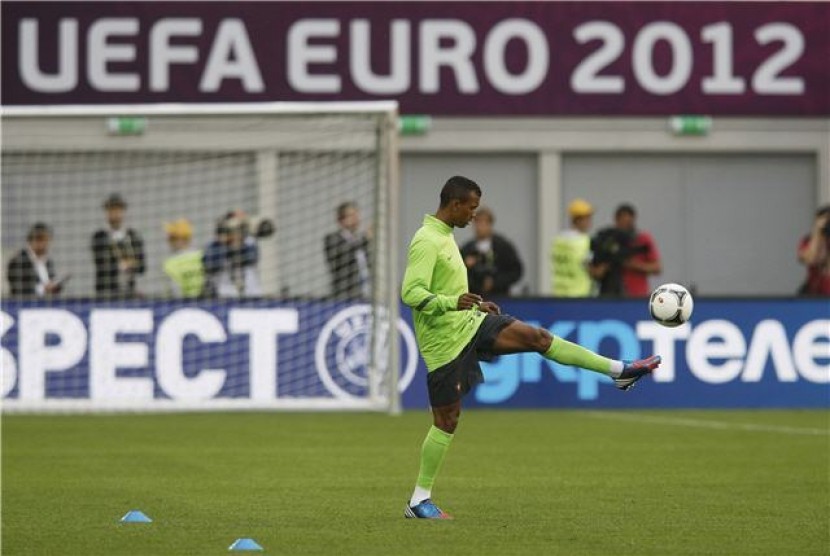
[{"x": 435, "y": 278}]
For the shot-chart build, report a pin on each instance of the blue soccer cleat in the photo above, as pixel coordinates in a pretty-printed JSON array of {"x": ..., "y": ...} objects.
[
  {"x": 425, "y": 510},
  {"x": 635, "y": 370}
]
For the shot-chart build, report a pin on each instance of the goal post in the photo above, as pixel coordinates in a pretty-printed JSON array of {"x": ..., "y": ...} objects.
[{"x": 201, "y": 256}]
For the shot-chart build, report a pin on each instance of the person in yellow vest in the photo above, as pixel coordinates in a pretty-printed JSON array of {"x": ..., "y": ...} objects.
[
  {"x": 184, "y": 267},
  {"x": 571, "y": 272}
]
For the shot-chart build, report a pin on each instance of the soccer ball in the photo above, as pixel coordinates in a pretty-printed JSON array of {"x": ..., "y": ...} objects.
[{"x": 671, "y": 305}]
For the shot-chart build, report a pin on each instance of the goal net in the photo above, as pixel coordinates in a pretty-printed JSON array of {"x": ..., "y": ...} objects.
[{"x": 174, "y": 257}]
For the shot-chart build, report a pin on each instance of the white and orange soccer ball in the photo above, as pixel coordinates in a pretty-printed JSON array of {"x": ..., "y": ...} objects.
[{"x": 671, "y": 305}]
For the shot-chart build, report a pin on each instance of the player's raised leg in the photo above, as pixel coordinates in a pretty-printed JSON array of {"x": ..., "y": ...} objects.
[{"x": 520, "y": 337}]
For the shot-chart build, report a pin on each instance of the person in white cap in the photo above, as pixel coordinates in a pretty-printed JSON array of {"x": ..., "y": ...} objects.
[{"x": 570, "y": 254}]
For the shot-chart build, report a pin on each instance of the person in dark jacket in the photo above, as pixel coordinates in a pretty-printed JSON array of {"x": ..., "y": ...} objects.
[
  {"x": 347, "y": 254},
  {"x": 493, "y": 265},
  {"x": 30, "y": 272},
  {"x": 118, "y": 253}
]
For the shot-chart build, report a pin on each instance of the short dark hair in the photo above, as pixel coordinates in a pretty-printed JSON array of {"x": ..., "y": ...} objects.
[
  {"x": 38, "y": 229},
  {"x": 115, "y": 200},
  {"x": 823, "y": 210},
  {"x": 625, "y": 208},
  {"x": 343, "y": 207},
  {"x": 458, "y": 187}
]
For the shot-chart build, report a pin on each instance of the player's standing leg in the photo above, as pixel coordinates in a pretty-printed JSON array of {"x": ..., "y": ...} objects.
[{"x": 434, "y": 449}]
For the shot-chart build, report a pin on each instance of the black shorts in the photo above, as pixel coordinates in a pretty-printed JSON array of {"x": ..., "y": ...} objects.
[{"x": 449, "y": 383}]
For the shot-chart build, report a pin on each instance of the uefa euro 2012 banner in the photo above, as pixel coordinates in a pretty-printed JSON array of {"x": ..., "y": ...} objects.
[
  {"x": 441, "y": 58},
  {"x": 168, "y": 355}
]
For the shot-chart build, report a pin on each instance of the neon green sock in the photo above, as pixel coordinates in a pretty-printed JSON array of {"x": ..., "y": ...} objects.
[
  {"x": 568, "y": 353},
  {"x": 433, "y": 451}
]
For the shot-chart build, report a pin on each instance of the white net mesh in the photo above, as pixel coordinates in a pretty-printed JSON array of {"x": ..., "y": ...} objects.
[{"x": 204, "y": 260}]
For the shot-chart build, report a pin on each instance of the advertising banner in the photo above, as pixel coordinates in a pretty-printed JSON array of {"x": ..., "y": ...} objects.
[
  {"x": 210, "y": 355},
  {"x": 441, "y": 58},
  {"x": 734, "y": 353},
  {"x": 161, "y": 355}
]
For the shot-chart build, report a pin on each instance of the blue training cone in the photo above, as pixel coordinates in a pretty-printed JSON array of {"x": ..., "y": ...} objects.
[
  {"x": 136, "y": 516},
  {"x": 245, "y": 544}
]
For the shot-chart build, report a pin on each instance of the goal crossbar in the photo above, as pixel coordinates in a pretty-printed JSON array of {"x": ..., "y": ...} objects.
[{"x": 203, "y": 109}]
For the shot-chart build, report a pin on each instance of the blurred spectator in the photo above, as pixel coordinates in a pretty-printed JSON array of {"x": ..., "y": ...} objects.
[
  {"x": 118, "y": 253},
  {"x": 492, "y": 262},
  {"x": 230, "y": 260},
  {"x": 347, "y": 254},
  {"x": 624, "y": 257},
  {"x": 184, "y": 265},
  {"x": 571, "y": 254},
  {"x": 31, "y": 272},
  {"x": 814, "y": 253}
]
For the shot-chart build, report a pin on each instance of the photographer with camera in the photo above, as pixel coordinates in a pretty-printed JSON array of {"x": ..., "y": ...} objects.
[
  {"x": 814, "y": 253},
  {"x": 493, "y": 264},
  {"x": 624, "y": 257},
  {"x": 230, "y": 259}
]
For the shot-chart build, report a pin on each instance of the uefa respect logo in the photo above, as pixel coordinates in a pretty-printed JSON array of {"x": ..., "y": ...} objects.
[{"x": 343, "y": 351}]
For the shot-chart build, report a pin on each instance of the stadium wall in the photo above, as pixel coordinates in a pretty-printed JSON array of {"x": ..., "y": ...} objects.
[
  {"x": 777, "y": 169},
  {"x": 150, "y": 356}
]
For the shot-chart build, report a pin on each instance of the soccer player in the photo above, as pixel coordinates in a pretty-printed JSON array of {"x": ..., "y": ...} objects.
[{"x": 455, "y": 329}]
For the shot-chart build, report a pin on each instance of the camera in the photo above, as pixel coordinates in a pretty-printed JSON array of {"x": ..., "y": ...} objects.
[
  {"x": 614, "y": 246},
  {"x": 261, "y": 227},
  {"x": 257, "y": 227}
]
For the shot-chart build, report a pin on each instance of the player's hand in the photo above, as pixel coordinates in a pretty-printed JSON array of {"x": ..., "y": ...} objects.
[
  {"x": 489, "y": 307},
  {"x": 468, "y": 301}
]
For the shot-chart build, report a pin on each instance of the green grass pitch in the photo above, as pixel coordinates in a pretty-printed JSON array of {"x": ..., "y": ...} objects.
[{"x": 517, "y": 482}]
